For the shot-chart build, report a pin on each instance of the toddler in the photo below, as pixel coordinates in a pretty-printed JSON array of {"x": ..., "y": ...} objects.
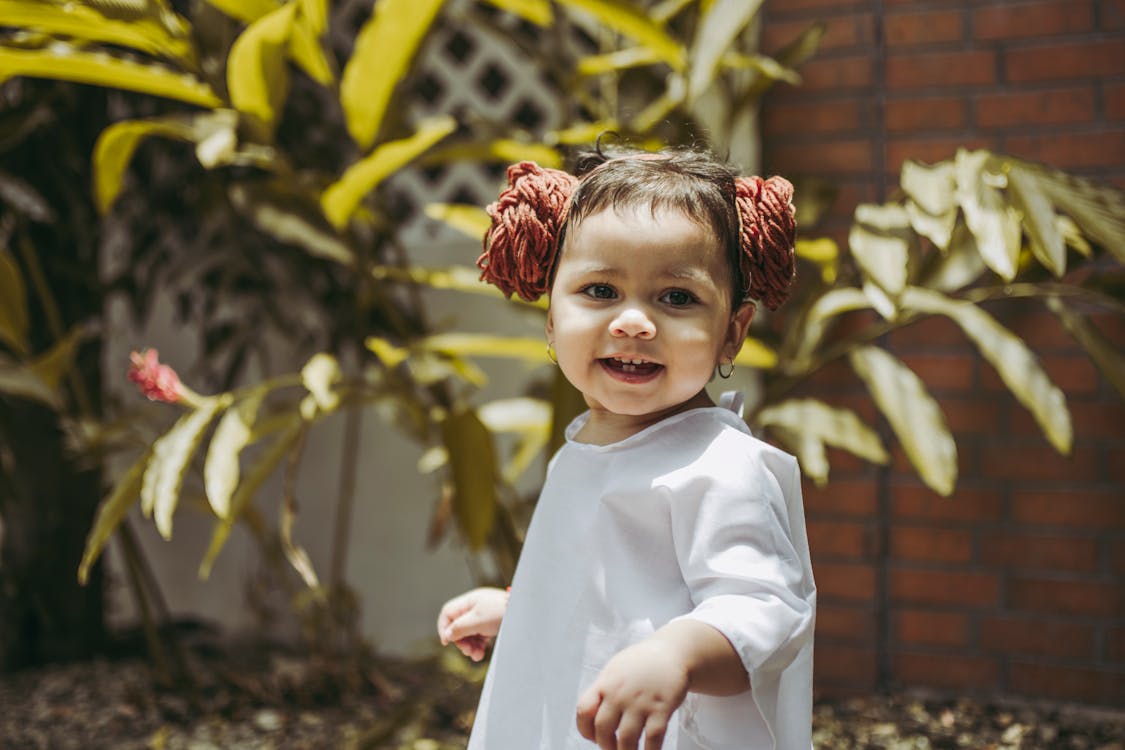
[{"x": 664, "y": 596}]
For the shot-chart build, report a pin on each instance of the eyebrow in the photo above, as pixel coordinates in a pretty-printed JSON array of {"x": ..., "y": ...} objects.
[{"x": 680, "y": 274}]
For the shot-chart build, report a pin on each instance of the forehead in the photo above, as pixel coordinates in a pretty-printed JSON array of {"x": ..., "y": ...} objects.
[{"x": 635, "y": 238}]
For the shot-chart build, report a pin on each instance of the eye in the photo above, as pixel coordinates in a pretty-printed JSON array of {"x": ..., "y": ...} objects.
[
  {"x": 599, "y": 291},
  {"x": 678, "y": 298}
]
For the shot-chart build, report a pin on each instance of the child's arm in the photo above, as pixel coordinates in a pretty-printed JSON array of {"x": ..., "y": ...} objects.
[
  {"x": 471, "y": 620},
  {"x": 641, "y": 686}
]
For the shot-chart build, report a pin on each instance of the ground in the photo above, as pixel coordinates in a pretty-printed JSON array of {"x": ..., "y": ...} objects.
[{"x": 254, "y": 700}]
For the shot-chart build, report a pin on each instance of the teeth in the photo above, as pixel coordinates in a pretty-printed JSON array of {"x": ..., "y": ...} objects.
[{"x": 630, "y": 361}]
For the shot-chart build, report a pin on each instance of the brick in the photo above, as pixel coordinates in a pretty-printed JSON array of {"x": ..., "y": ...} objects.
[
  {"x": 1075, "y": 374},
  {"x": 926, "y": 114},
  {"x": 1109, "y": 325},
  {"x": 941, "y": 69},
  {"x": 969, "y": 589},
  {"x": 788, "y": 6},
  {"x": 1066, "y": 597},
  {"x": 927, "y": 333},
  {"x": 1065, "y": 62},
  {"x": 1054, "y": 107},
  {"x": 836, "y": 539},
  {"x": 845, "y": 581},
  {"x": 843, "y": 497},
  {"x": 837, "y": 74},
  {"x": 850, "y": 155},
  {"x": 947, "y": 670},
  {"x": 1114, "y": 100},
  {"x": 1075, "y": 508},
  {"x": 903, "y": 468},
  {"x": 834, "y": 116},
  {"x": 932, "y": 27},
  {"x": 1112, "y": 17},
  {"x": 971, "y": 416},
  {"x": 1084, "y": 685},
  {"x": 943, "y": 371},
  {"x": 1023, "y": 461},
  {"x": 1037, "y": 637},
  {"x": 1032, "y": 551},
  {"x": 930, "y": 149},
  {"x": 1022, "y": 20},
  {"x": 1089, "y": 419},
  {"x": 851, "y": 665},
  {"x": 852, "y": 30},
  {"x": 929, "y": 544},
  {"x": 1115, "y": 458},
  {"x": 1039, "y": 329},
  {"x": 967, "y": 505},
  {"x": 919, "y": 627},
  {"x": 1115, "y": 644},
  {"x": 1071, "y": 150},
  {"x": 845, "y": 622}
]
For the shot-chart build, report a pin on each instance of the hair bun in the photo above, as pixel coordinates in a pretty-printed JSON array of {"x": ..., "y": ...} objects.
[
  {"x": 519, "y": 247},
  {"x": 768, "y": 230}
]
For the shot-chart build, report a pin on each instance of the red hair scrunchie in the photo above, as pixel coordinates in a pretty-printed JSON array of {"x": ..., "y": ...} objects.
[
  {"x": 520, "y": 246},
  {"x": 768, "y": 230}
]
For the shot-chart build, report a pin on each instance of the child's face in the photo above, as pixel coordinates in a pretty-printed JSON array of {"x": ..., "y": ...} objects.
[{"x": 641, "y": 311}]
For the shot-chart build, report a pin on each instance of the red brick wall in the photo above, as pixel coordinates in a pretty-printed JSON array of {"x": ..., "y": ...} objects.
[{"x": 1016, "y": 584}]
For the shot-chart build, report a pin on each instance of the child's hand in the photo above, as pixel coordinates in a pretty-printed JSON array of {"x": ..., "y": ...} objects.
[
  {"x": 472, "y": 620},
  {"x": 636, "y": 692}
]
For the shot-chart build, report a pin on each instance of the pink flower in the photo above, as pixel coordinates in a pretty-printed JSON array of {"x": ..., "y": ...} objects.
[{"x": 158, "y": 382}]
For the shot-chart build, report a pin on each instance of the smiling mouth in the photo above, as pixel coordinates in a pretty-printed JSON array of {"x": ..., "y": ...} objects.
[{"x": 631, "y": 367}]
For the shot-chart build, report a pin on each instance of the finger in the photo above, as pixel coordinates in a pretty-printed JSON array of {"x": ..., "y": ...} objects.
[
  {"x": 629, "y": 731},
  {"x": 585, "y": 712},
  {"x": 605, "y": 725},
  {"x": 655, "y": 730},
  {"x": 464, "y": 626}
]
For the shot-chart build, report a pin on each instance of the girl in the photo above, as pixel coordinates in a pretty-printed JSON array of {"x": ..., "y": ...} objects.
[{"x": 664, "y": 596}]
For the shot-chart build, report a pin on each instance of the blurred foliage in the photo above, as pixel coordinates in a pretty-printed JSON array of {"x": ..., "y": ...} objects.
[{"x": 264, "y": 208}]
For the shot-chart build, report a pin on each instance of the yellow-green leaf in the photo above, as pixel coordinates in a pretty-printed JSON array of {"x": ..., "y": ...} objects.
[
  {"x": 53, "y": 364},
  {"x": 472, "y": 460},
  {"x": 240, "y": 502},
  {"x": 257, "y": 68},
  {"x": 17, "y": 380},
  {"x": 530, "y": 350},
  {"x": 537, "y": 12},
  {"x": 931, "y": 206},
  {"x": 319, "y": 374},
  {"x": 757, "y": 354},
  {"x": 455, "y": 278},
  {"x": 465, "y": 218},
  {"x": 1039, "y": 220},
  {"x": 79, "y": 21},
  {"x": 716, "y": 33},
  {"x": 343, "y": 196},
  {"x": 530, "y": 418},
  {"x": 878, "y": 243},
  {"x": 160, "y": 488},
  {"x": 824, "y": 252},
  {"x": 221, "y": 469},
  {"x": 389, "y": 354},
  {"x": 504, "y": 150},
  {"x": 913, "y": 415},
  {"x": 384, "y": 50},
  {"x": 1013, "y": 360},
  {"x": 994, "y": 224},
  {"x": 314, "y": 14},
  {"x": 305, "y": 47},
  {"x": 628, "y": 20},
  {"x": 247, "y": 11},
  {"x": 581, "y": 133},
  {"x": 114, "y": 150},
  {"x": 810, "y": 452},
  {"x": 622, "y": 59},
  {"x": 1105, "y": 355},
  {"x": 65, "y": 63},
  {"x": 276, "y": 214},
  {"x": 110, "y": 513},
  {"x": 831, "y": 425},
  {"x": 811, "y": 329},
  {"x": 13, "y": 304}
]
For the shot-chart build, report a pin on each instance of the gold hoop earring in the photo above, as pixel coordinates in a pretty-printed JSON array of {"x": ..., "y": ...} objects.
[
  {"x": 551, "y": 353},
  {"x": 728, "y": 373}
]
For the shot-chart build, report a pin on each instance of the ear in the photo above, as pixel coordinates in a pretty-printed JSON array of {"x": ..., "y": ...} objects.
[
  {"x": 550, "y": 327},
  {"x": 737, "y": 329}
]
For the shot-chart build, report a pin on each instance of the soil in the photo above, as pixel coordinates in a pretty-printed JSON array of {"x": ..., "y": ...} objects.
[{"x": 254, "y": 699}]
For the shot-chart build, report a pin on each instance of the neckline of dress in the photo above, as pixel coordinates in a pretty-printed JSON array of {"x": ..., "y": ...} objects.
[{"x": 724, "y": 413}]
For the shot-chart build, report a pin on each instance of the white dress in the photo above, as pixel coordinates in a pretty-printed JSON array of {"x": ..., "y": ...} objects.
[{"x": 692, "y": 517}]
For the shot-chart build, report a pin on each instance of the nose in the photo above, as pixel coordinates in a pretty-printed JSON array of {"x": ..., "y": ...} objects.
[{"x": 633, "y": 322}]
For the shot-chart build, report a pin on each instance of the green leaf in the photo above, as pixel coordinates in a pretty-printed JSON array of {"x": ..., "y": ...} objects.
[
  {"x": 1014, "y": 362},
  {"x": 13, "y": 304},
  {"x": 240, "y": 502},
  {"x": 160, "y": 488},
  {"x": 234, "y": 432},
  {"x": 257, "y": 68},
  {"x": 80, "y": 21},
  {"x": 467, "y": 219},
  {"x": 19, "y": 381},
  {"x": 533, "y": 351},
  {"x": 343, "y": 196},
  {"x": 537, "y": 12},
  {"x": 472, "y": 460},
  {"x": 247, "y": 11},
  {"x": 1039, "y": 219},
  {"x": 319, "y": 374},
  {"x": 99, "y": 69},
  {"x": 384, "y": 50},
  {"x": 716, "y": 33},
  {"x": 110, "y": 513},
  {"x": 814, "y": 419},
  {"x": 994, "y": 224},
  {"x": 913, "y": 415},
  {"x": 53, "y": 364},
  {"x": 1104, "y": 354},
  {"x": 114, "y": 150}
]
